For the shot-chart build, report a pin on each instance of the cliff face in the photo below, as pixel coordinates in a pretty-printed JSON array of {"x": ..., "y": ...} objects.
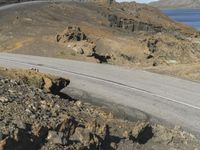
[
  {"x": 133, "y": 17},
  {"x": 176, "y": 4}
]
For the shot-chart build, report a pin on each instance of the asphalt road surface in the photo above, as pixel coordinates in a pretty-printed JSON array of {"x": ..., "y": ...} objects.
[{"x": 131, "y": 93}]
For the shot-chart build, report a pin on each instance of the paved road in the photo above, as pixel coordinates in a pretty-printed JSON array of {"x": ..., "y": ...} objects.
[
  {"x": 133, "y": 93},
  {"x": 15, "y": 5}
]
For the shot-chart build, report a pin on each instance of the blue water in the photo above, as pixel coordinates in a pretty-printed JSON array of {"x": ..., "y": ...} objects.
[{"x": 190, "y": 17}]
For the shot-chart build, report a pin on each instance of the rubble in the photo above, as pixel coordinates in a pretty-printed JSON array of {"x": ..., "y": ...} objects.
[{"x": 33, "y": 118}]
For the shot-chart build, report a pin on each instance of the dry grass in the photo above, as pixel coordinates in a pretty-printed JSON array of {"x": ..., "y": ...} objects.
[
  {"x": 185, "y": 71},
  {"x": 31, "y": 77}
]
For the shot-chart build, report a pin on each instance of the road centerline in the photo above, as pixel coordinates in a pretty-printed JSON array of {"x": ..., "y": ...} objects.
[{"x": 40, "y": 65}]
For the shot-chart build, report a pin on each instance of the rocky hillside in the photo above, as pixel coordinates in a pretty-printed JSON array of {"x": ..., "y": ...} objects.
[
  {"x": 176, "y": 4},
  {"x": 34, "y": 118},
  {"x": 114, "y": 33}
]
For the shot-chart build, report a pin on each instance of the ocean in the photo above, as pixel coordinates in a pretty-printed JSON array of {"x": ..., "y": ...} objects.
[{"x": 190, "y": 17}]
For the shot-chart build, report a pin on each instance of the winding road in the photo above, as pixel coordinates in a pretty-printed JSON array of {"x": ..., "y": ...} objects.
[{"x": 130, "y": 93}]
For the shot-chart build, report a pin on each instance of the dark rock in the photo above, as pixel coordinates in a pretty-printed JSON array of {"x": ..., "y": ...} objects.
[
  {"x": 152, "y": 45},
  {"x": 145, "y": 135},
  {"x": 132, "y": 25},
  {"x": 100, "y": 58},
  {"x": 58, "y": 85},
  {"x": 68, "y": 126},
  {"x": 1, "y": 136},
  {"x": 155, "y": 64},
  {"x": 72, "y": 33},
  {"x": 21, "y": 140}
]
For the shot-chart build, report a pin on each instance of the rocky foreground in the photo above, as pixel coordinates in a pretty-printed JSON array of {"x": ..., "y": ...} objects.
[{"x": 33, "y": 118}]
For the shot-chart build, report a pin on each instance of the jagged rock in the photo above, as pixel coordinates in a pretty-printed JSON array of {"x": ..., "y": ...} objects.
[
  {"x": 53, "y": 126},
  {"x": 87, "y": 138},
  {"x": 92, "y": 126},
  {"x": 58, "y": 84},
  {"x": 83, "y": 135},
  {"x": 151, "y": 44},
  {"x": 132, "y": 25},
  {"x": 68, "y": 126},
  {"x": 72, "y": 33},
  {"x": 78, "y": 42},
  {"x": 54, "y": 85},
  {"x": 3, "y": 99},
  {"x": 47, "y": 84},
  {"x": 54, "y": 137}
]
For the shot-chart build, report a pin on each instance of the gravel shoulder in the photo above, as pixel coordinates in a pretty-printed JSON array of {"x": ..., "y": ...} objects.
[{"x": 33, "y": 116}]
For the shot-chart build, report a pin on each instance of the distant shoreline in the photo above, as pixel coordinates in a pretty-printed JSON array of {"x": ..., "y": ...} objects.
[
  {"x": 180, "y": 8},
  {"x": 186, "y": 16}
]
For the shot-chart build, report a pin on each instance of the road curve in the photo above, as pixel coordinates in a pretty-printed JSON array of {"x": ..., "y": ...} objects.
[{"x": 131, "y": 92}]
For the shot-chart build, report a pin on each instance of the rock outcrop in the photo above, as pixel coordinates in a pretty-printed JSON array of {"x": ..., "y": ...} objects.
[
  {"x": 132, "y": 25},
  {"x": 74, "y": 38},
  {"x": 72, "y": 33},
  {"x": 80, "y": 43}
]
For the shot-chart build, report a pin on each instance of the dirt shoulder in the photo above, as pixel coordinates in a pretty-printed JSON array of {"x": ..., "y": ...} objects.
[{"x": 185, "y": 71}]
